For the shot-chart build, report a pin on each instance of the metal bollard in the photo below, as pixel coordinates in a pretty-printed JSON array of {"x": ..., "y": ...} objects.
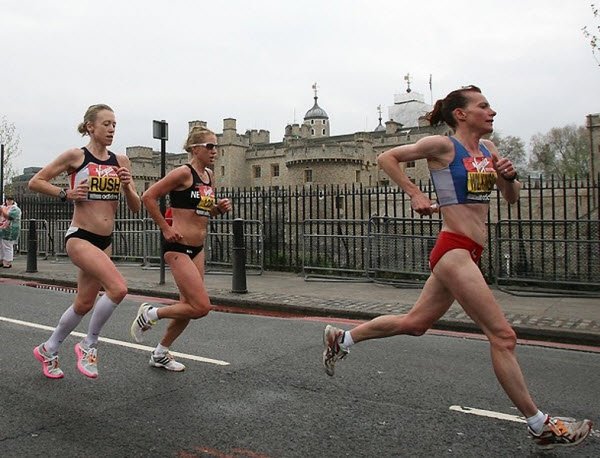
[
  {"x": 238, "y": 280},
  {"x": 32, "y": 247}
]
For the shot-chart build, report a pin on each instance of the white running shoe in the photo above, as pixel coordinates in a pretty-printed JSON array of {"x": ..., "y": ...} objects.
[
  {"x": 166, "y": 361},
  {"x": 49, "y": 362},
  {"x": 140, "y": 323},
  {"x": 87, "y": 359},
  {"x": 561, "y": 432},
  {"x": 333, "y": 351}
]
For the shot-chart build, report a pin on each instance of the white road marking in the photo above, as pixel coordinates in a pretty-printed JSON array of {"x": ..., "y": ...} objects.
[
  {"x": 488, "y": 413},
  {"x": 501, "y": 416},
  {"x": 119, "y": 342}
]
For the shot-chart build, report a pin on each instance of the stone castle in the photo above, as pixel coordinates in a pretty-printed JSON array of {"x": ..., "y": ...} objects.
[{"x": 307, "y": 154}]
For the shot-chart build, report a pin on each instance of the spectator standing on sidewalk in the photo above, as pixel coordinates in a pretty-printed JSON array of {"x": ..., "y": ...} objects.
[
  {"x": 10, "y": 230},
  {"x": 464, "y": 169},
  {"x": 97, "y": 178},
  {"x": 191, "y": 191}
]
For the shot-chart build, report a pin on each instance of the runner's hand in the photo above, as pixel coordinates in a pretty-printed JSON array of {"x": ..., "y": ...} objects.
[
  {"x": 171, "y": 235},
  {"x": 80, "y": 192},
  {"x": 421, "y": 204}
]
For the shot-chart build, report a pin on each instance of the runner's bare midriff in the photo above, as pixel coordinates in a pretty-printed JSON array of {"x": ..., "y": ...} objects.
[
  {"x": 468, "y": 220},
  {"x": 191, "y": 226},
  {"x": 95, "y": 216}
]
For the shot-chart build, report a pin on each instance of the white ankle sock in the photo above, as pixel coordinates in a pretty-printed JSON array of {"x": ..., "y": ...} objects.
[
  {"x": 536, "y": 422},
  {"x": 347, "y": 339},
  {"x": 152, "y": 314},
  {"x": 160, "y": 350}
]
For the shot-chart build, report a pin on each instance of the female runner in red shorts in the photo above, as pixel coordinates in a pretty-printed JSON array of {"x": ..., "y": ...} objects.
[{"x": 464, "y": 170}]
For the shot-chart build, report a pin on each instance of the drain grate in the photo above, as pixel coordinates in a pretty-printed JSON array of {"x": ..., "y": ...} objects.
[{"x": 62, "y": 289}]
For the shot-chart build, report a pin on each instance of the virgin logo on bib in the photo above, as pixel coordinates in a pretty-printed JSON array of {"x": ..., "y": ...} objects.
[{"x": 103, "y": 181}]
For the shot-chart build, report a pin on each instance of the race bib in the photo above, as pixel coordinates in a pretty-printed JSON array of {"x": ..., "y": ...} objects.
[
  {"x": 206, "y": 194},
  {"x": 481, "y": 178},
  {"x": 103, "y": 182}
]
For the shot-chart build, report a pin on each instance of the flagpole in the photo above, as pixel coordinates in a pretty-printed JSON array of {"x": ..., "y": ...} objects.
[{"x": 430, "y": 90}]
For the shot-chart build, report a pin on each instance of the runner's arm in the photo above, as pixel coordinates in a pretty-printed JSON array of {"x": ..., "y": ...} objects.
[
  {"x": 128, "y": 185},
  {"x": 431, "y": 148},
  {"x": 65, "y": 162}
]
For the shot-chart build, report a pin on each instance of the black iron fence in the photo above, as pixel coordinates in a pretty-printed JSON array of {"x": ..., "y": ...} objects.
[{"x": 339, "y": 217}]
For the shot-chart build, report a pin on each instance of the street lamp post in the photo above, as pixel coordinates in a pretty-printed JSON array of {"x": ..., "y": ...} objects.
[{"x": 160, "y": 131}]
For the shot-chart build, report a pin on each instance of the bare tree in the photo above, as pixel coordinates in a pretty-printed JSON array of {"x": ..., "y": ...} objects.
[
  {"x": 563, "y": 151},
  {"x": 10, "y": 139},
  {"x": 513, "y": 148},
  {"x": 594, "y": 39}
]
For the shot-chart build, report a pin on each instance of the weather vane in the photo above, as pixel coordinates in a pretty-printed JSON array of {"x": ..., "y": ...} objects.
[
  {"x": 379, "y": 111},
  {"x": 407, "y": 79},
  {"x": 314, "y": 86}
]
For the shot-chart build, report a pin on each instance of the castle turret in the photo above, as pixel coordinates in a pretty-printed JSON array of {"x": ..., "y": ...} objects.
[
  {"x": 380, "y": 127},
  {"x": 593, "y": 125},
  {"x": 316, "y": 119},
  {"x": 193, "y": 124},
  {"x": 408, "y": 107}
]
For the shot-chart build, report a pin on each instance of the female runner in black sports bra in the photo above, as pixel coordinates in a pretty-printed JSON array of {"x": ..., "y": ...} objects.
[
  {"x": 193, "y": 202},
  {"x": 97, "y": 179}
]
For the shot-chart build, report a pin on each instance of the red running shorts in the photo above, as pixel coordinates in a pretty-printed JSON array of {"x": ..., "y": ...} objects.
[{"x": 447, "y": 241}]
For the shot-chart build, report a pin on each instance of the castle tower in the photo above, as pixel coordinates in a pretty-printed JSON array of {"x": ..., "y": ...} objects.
[
  {"x": 408, "y": 107},
  {"x": 316, "y": 119},
  {"x": 380, "y": 127},
  {"x": 593, "y": 126},
  {"x": 231, "y": 169},
  {"x": 192, "y": 124}
]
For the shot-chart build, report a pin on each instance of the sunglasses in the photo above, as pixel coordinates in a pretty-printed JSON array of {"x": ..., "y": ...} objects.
[{"x": 208, "y": 146}]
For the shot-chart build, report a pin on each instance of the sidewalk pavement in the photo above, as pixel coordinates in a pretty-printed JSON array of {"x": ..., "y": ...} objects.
[{"x": 574, "y": 320}]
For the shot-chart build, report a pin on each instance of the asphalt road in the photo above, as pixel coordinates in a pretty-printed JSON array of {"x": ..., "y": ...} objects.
[{"x": 262, "y": 392}]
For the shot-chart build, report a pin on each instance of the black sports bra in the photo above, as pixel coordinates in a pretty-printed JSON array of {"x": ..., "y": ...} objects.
[{"x": 200, "y": 196}]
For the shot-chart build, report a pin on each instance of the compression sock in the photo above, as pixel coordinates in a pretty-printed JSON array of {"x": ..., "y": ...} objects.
[
  {"x": 102, "y": 311},
  {"x": 68, "y": 321}
]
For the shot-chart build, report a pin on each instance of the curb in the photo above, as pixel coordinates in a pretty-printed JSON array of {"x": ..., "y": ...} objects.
[{"x": 523, "y": 332}]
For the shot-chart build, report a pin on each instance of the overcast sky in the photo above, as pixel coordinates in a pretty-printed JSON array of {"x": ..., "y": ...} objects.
[{"x": 256, "y": 61}]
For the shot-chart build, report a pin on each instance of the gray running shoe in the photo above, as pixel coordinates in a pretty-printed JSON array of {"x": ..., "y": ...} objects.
[
  {"x": 561, "y": 432},
  {"x": 166, "y": 361},
  {"x": 333, "y": 351},
  {"x": 87, "y": 359},
  {"x": 49, "y": 362},
  {"x": 140, "y": 323}
]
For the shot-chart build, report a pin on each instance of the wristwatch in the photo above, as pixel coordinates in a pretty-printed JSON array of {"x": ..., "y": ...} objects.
[{"x": 63, "y": 195}]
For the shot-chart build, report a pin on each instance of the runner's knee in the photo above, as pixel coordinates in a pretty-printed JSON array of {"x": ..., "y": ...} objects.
[
  {"x": 504, "y": 339},
  {"x": 199, "y": 311},
  {"x": 117, "y": 290},
  {"x": 415, "y": 326}
]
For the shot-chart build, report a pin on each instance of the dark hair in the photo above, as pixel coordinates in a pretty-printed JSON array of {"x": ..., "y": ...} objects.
[
  {"x": 443, "y": 108},
  {"x": 9, "y": 198}
]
